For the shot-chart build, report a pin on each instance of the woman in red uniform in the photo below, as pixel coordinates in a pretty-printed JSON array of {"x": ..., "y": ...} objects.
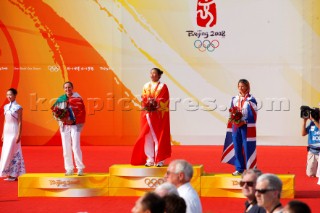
[{"x": 153, "y": 145}]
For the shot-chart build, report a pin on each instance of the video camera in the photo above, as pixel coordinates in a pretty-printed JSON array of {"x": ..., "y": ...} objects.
[{"x": 306, "y": 111}]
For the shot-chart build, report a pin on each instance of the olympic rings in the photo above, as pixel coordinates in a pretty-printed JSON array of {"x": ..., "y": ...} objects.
[
  {"x": 206, "y": 45},
  {"x": 54, "y": 68},
  {"x": 153, "y": 182}
]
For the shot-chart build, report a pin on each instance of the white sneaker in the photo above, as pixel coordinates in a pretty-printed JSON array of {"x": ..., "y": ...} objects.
[
  {"x": 148, "y": 164},
  {"x": 10, "y": 179},
  {"x": 236, "y": 173},
  {"x": 80, "y": 172},
  {"x": 160, "y": 164},
  {"x": 69, "y": 173}
]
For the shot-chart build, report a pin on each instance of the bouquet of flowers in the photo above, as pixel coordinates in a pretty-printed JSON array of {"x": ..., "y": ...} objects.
[
  {"x": 60, "y": 114},
  {"x": 149, "y": 104},
  {"x": 235, "y": 115}
]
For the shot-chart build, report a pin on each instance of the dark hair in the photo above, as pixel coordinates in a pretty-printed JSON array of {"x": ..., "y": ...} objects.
[
  {"x": 13, "y": 90},
  {"x": 160, "y": 72},
  {"x": 174, "y": 204},
  {"x": 68, "y": 82},
  {"x": 245, "y": 82},
  {"x": 153, "y": 202},
  {"x": 297, "y": 206}
]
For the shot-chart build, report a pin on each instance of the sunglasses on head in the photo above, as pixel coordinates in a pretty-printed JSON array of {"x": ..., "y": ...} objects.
[
  {"x": 249, "y": 183},
  {"x": 263, "y": 191}
]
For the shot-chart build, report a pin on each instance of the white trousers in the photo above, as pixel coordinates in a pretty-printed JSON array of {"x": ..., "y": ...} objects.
[
  {"x": 150, "y": 148},
  {"x": 70, "y": 136},
  {"x": 312, "y": 165}
]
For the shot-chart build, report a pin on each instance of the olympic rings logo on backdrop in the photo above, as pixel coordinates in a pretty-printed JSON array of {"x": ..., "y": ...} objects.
[
  {"x": 153, "y": 182},
  {"x": 206, "y": 45},
  {"x": 53, "y": 68}
]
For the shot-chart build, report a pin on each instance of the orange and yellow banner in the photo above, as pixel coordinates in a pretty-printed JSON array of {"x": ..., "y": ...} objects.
[{"x": 107, "y": 48}]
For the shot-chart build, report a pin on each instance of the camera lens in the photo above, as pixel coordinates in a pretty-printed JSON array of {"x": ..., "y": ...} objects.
[{"x": 305, "y": 114}]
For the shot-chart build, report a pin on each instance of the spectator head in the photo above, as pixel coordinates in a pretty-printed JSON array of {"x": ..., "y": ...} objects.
[
  {"x": 268, "y": 191},
  {"x": 179, "y": 172},
  {"x": 174, "y": 204},
  {"x": 149, "y": 203},
  {"x": 296, "y": 206},
  {"x": 248, "y": 183},
  {"x": 166, "y": 189}
]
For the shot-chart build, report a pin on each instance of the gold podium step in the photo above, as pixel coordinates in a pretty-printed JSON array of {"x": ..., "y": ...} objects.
[
  {"x": 227, "y": 185},
  {"x": 59, "y": 185},
  {"x": 128, "y": 180}
]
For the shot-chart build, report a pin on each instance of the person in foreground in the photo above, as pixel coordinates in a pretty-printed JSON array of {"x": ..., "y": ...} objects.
[
  {"x": 149, "y": 203},
  {"x": 70, "y": 112},
  {"x": 296, "y": 206},
  {"x": 312, "y": 130},
  {"x": 248, "y": 185},
  {"x": 268, "y": 192},
  {"x": 241, "y": 131},
  {"x": 153, "y": 144},
  {"x": 174, "y": 204},
  {"x": 166, "y": 189},
  {"x": 12, "y": 163},
  {"x": 179, "y": 173}
]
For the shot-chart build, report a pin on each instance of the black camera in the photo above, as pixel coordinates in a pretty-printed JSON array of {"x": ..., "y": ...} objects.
[{"x": 306, "y": 111}]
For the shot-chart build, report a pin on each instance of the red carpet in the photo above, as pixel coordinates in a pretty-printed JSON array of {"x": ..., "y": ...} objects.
[{"x": 45, "y": 159}]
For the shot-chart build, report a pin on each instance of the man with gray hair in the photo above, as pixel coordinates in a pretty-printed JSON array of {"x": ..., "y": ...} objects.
[
  {"x": 268, "y": 191},
  {"x": 179, "y": 173},
  {"x": 248, "y": 185},
  {"x": 166, "y": 189}
]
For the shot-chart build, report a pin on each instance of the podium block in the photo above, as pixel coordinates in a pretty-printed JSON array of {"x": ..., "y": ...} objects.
[
  {"x": 128, "y": 180},
  {"x": 59, "y": 185},
  {"x": 226, "y": 185}
]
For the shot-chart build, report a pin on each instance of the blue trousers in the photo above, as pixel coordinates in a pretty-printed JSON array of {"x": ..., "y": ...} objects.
[{"x": 239, "y": 139}]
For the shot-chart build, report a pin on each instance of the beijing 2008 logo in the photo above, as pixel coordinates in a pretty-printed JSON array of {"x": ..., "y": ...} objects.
[
  {"x": 206, "y": 13},
  {"x": 206, "y": 39}
]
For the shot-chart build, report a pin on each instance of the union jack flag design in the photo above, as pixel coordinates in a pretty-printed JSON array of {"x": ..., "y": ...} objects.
[{"x": 228, "y": 154}]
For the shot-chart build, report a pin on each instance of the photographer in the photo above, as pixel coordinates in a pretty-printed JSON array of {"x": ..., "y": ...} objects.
[{"x": 312, "y": 130}]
